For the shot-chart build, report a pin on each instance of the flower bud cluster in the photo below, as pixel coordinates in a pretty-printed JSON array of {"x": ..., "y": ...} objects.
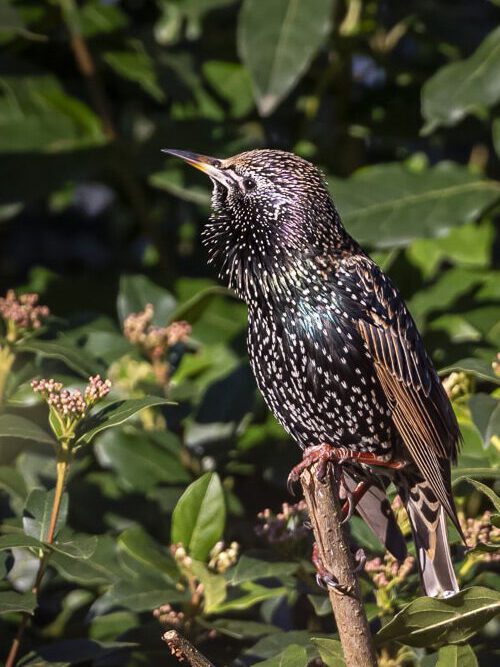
[
  {"x": 154, "y": 340},
  {"x": 168, "y": 616},
  {"x": 286, "y": 526},
  {"x": 481, "y": 531},
  {"x": 23, "y": 312},
  {"x": 222, "y": 559},
  {"x": 72, "y": 404},
  {"x": 389, "y": 571},
  {"x": 456, "y": 385},
  {"x": 180, "y": 555}
]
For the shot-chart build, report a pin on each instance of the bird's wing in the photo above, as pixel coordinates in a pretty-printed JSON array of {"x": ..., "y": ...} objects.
[{"x": 421, "y": 410}]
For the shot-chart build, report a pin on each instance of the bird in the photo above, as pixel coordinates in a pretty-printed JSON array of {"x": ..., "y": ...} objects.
[{"x": 334, "y": 349}]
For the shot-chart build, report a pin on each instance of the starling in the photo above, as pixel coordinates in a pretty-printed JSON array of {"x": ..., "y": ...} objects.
[{"x": 335, "y": 352}]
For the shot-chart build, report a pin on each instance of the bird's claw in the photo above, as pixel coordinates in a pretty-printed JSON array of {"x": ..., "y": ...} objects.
[{"x": 360, "y": 560}]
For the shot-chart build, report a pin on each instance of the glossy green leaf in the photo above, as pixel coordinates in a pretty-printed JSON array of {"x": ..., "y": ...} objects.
[
  {"x": 277, "y": 45},
  {"x": 250, "y": 595},
  {"x": 390, "y": 205},
  {"x": 293, "y": 656},
  {"x": 429, "y": 621},
  {"x": 465, "y": 87},
  {"x": 136, "y": 291},
  {"x": 10, "y": 601},
  {"x": 241, "y": 629},
  {"x": 142, "y": 461},
  {"x": 101, "y": 568},
  {"x": 330, "y": 651},
  {"x": 19, "y": 540},
  {"x": 114, "y": 415},
  {"x": 199, "y": 517},
  {"x": 81, "y": 547},
  {"x": 145, "y": 552},
  {"x": 456, "y": 656},
  {"x": 14, "y": 426},
  {"x": 38, "y": 511}
]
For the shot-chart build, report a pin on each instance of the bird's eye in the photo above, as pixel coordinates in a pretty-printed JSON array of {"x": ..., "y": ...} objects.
[{"x": 249, "y": 184}]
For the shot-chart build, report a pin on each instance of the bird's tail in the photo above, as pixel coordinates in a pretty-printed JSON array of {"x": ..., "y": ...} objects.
[
  {"x": 428, "y": 523},
  {"x": 375, "y": 509}
]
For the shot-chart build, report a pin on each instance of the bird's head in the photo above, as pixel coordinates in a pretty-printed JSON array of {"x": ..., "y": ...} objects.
[{"x": 271, "y": 213}]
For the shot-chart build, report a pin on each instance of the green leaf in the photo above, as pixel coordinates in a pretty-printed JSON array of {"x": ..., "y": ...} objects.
[
  {"x": 487, "y": 492},
  {"x": 232, "y": 83},
  {"x": 293, "y": 656},
  {"x": 73, "y": 652},
  {"x": 461, "y": 473},
  {"x": 37, "y": 513},
  {"x": 11, "y": 601},
  {"x": 81, "y": 547},
  {"x": 252, "y": 594},
  {"x": 330, "y": 651},
  {"x": 475, "y": 367},
  {"x": 428, "y": 621},
  {"x": 74, "y": 357},
  {"x": 141, "y": 594},
  {"x": 114, "y": 415},
  {"x": 19, "y": 540},
  {"x": 142, "y": 460},
  {"x": 277, "y": 45},
  {"x": 12, "y": 482},
  {"x": 199, "y": 517},
  {"x": 37, "y": 115},
  {"x": 214, "y": 586},
  {"x": 446, "y": 103},
  {"x": 272, "y": 645},
  {"x": 249, "y": 568},
  {"x": 13, "y": 426},
  {"x": 143, "y": 550},
  {"x": 97, "y": 18},
  {"x": 137, "y": 291},
  {"x": 240, "y": 629},
  {"x": 485, "y": 411},
  {"x": 101, "y": 568},
  {"x": 456, "y": 656},
  {"x": 390, "y": 205},
  {"x": 136, "y": 65}
]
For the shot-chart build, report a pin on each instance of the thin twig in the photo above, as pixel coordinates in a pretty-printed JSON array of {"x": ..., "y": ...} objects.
[
  {"x": 333, "y": 547},
  {"x": 62, "y": 471},
  {"x": 184, "y": 650}
]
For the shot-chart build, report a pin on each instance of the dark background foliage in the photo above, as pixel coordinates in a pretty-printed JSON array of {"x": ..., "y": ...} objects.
[{"x": 398, "y": 104}]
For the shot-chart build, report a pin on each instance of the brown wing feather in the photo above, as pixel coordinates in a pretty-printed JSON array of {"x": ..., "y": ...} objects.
[{"x": 421, "y": 410}]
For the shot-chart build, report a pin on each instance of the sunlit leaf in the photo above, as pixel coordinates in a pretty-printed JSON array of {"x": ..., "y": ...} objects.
[
  {"x": 277, "y": 45},
  {"x": 456, "y": 656}
]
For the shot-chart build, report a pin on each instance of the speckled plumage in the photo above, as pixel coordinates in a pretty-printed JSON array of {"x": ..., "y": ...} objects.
[{"x": 333, "y": 347}]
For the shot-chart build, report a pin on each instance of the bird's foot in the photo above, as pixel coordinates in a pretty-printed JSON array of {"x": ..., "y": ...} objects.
[
  {"x": 324, "y": 578},
  {"x": 320, "y": 454},
  {"x": 324, "y": 454}
]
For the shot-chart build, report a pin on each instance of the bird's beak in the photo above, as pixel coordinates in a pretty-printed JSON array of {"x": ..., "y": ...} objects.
[{"x": 208, "y": 165}]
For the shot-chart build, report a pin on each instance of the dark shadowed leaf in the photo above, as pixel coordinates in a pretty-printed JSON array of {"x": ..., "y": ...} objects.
[
  {"x": 487, "y": 492},
  {"x": 272, "y": 645},
  {"x": 137, "y": 291},
  {"x": 390, "y": 205},
  {"x": 241, "y": 629},
  {"x": 446, "y": 103},
  {"x": 199, "y": 517},
  {"x": 456, "y": 656},
  {"x": 144, "y": 551},
  {"x": 429, "y": 621},
  {"x": 136, "y": 65},
  {"x": 19, "y": 540},
  {"x": 114, "y": 415},
  {"x": 73, "y": 652},
  {"x": 101, "y": 568},
  {"x": 11, "y": 601},
  {"x": 74, "y": 357},
  {"x": 14, "y": 426},
  {"x": 249, "y": 568},
  {"x": 277, "y": 45}
]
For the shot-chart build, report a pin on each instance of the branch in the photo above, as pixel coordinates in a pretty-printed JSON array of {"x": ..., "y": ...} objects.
[
  {"x": 333, "y": 548},
  {"x": 184, "y": 650}
]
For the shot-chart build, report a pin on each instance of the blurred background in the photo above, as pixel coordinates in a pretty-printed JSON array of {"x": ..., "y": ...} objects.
[{"x": 398, "y": 103}]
